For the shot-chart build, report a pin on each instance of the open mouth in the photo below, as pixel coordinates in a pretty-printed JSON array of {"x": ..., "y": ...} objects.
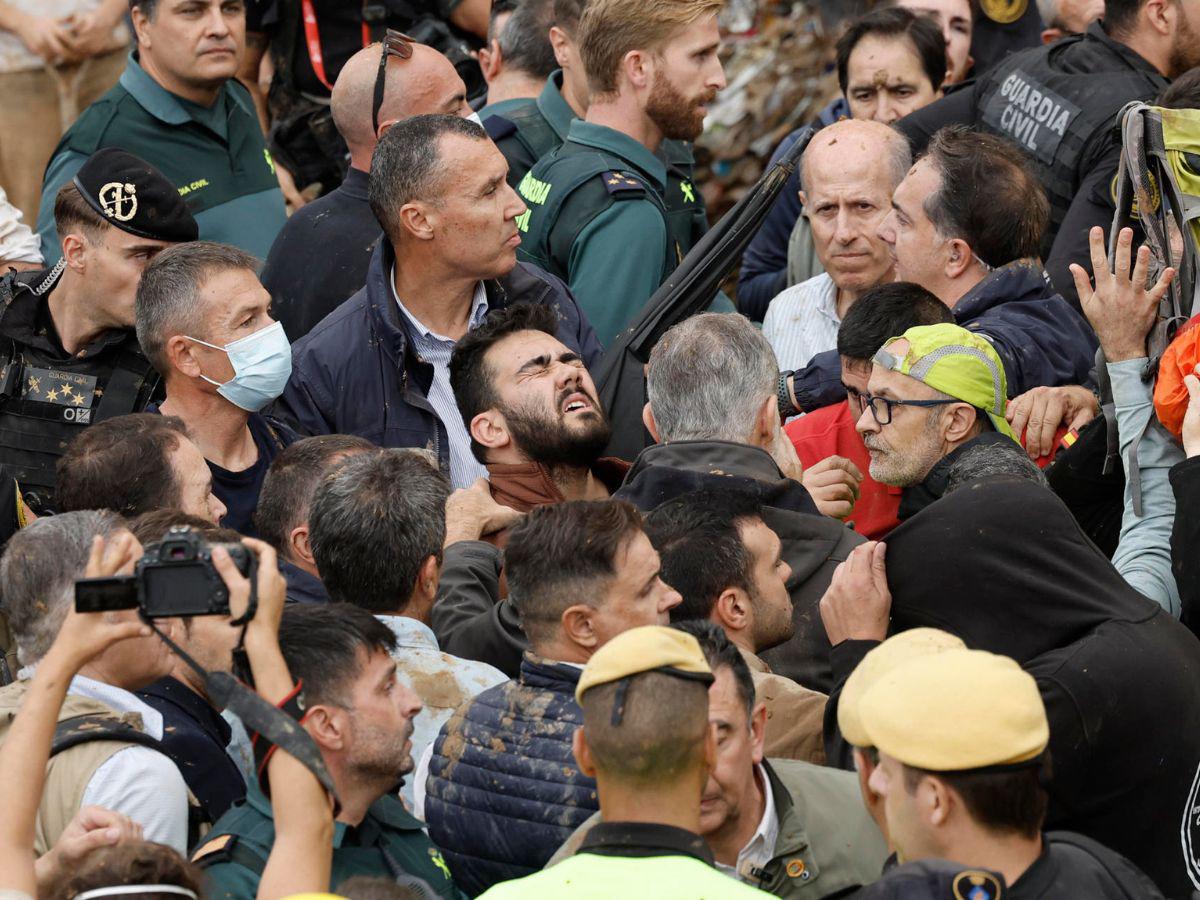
[{"x": 577, "y": 402}]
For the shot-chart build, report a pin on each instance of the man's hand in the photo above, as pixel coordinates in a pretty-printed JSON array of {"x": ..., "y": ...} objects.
[
  {"x": 48, "y": 38},
  {"x": 1038, "y": 413},
  {"x": 91, "y": 828},
  {"x": 783, "y": 451},
  {"x": 471, "y": 513},
  {"x": 92, "y": 33},
  {"x": 1191, "y": 419},
  {"x": 1121, "y": 310},
  {"x": 287, "y": 184},
  {"x": 858, "y": 604},
  {"x": 834, "y": 484},
  {"x": 272, "y": 587}
]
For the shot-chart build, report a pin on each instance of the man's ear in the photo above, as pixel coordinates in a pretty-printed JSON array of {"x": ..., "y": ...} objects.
[
  {"x": 583, "y": 753},
  {"x": 959, "y": 419},
  {"x": 638, "y": 68},
  {"x": 490, "y": 429},
  {"x": 578, "y": 626},
  {"x": 651, "y": 425},
  {"x": 934, "y": 800},
  {"x": 959, "y": 258},
  {"x": 490, "y": 60},
  {"x": 560, "y": 42},
  {"x": 427, "y": 579},
  {"x": 300, "y": 545},
  {"x": 74, "y": 251},
  {"x": 732, "y": 610},
  {"x": 181, "y": 354},
  {"x": 141, "y": 27},
  {"x": 758, "y": 731},
  {"x": 416, "y": 221},
  {"x": 328, "y": 726},
  {"x": 766, "y": 421}
]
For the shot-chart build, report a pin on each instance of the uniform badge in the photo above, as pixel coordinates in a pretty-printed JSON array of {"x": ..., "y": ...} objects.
[
  {"x": 618, "y": 183},
  {"x": 795, "y": 868},
  {"x": 1005, "y": 12},
  {"x": 118, "y": 200},
  {"x": 976, "y": 885},
  {"x": 1155, "y": 195}
]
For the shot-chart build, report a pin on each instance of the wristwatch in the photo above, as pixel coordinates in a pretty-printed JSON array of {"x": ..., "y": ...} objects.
[{"x": 783, "y": 396}]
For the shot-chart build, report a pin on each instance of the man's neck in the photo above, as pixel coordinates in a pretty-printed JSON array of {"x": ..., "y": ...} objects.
[
  {"x": 200, "y": 94},
  {"x": 728, "y": 842},
  {"x": 78, "y": 319},
  {"x": 185, "y": 676},
  {"x": 621, "y": 113},
  {"x": 674, "y": 802},
  {"x": 845, "y": 299},
  {"x": 578, "y": 105},
  {"x": 739, "y": 638},
  {"x": 356, "y": 797},
  {"x": 217, "y": 426},
  {"x": 1150, "y": 47},
  {"x": 562, "y": 651},
  {"x": 514, "y": 86},
  {"x": 577, "y": 483},
  {"x": 1009, "y": 854},
  {"x": 437, "y": 299},
  {"x": 958, "y": 288}
]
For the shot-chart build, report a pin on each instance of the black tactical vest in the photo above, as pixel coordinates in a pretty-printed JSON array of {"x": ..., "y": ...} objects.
[
  {"x": 45, "y": 400},
  {"x": 1053, "y": 102}
]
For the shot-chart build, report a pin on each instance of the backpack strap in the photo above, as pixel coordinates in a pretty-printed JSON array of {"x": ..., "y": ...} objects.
[{"x": 97, "y": 727}]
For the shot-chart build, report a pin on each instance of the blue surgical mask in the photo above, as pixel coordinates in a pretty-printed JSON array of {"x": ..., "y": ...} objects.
[{"x": 262, "y": 365}]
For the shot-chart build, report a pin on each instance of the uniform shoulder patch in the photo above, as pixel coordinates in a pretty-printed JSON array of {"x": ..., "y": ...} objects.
[
  {"x": 977, "y": 885},
  {"x": 499, "y": 127},
  {"x": 619, "y": 183},
  {"x": 218, "y": 850},
  {"x": 1004, "y": 12}
]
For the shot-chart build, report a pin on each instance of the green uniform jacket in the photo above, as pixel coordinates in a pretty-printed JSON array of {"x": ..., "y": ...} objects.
[
  {"x": 388, "y": 843},
  {"x": 827, "y": 844},
  {"x": 216, "y": 157}
]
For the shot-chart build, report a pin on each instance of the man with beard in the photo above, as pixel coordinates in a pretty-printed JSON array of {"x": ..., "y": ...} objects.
[
  {"x": 530, "y": 408},
  {"x": 361, "y": 719},
  {"x": 597, "y": 216}
]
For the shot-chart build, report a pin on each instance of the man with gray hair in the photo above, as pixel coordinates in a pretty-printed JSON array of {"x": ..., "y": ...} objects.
[
  {"x": 1061, "y": 18},
  {"x": 376, "y": 526},
  {"x": 519, "y": 56},
  {"x": 711, "y": 383},
  {"x": 203, "y": 320},
  {"x": 321, "y": 256},
  {"x": 378, "y": 366},
  {"x": 122, "y": 772},
  {"x": 848, "y": 173}
]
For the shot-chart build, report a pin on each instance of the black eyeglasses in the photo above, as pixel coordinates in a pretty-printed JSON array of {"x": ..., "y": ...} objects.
[
  {"x": 881, "y": 407},
  {"x": 395, "y": 43}
]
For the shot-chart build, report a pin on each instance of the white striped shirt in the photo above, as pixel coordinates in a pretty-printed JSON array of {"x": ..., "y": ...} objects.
[{"x": 802, "y": 321}]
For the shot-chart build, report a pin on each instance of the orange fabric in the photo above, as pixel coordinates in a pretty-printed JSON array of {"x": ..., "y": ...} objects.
[{"x": 1170, "y": 393}]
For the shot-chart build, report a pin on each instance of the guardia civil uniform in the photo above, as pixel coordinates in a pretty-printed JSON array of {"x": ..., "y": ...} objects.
[
  {"x": 48, "y": 395},
  {"x": 387, "y": 843}
]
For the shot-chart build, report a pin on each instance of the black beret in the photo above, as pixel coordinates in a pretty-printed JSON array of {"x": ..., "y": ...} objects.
[
  {"x": 936, "y": 879},
  {"x": 134, "y": 196}
]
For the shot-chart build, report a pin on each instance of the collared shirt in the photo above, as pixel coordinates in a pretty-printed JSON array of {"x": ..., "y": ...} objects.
[
  {"x": 216, "y": 156},
  {"x": 802, "y": 321},
  {"x": 139, "y": 782},
  {"x": 760, "y": 849},
  {"x": 435, "y": 349},
  {"x": 637, "y": 839},
  {"x": 443, "y": 682}
]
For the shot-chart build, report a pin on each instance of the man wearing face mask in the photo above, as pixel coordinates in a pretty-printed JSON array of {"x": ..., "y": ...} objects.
[{"x": 203, "y": 320}]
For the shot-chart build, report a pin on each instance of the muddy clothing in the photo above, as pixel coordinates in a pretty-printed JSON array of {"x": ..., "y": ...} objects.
[{"x": 504, "y": 790}]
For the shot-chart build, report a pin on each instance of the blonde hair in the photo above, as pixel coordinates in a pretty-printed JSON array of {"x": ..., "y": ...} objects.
[{"x": 609, "y": 29}]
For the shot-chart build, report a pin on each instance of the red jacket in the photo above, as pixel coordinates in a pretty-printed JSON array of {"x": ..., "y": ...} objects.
[{"x": 829, "y": 431}]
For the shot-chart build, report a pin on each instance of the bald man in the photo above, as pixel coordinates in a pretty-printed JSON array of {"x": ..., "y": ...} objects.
[
  {"x": 320, "y": 257},
  {"x": 847, "y": 176}
]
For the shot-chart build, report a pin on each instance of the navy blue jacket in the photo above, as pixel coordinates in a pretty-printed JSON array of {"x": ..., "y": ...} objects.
[
  {"x": 355, "y": 373},
  {"x": 504, "y": 790},
  {"x": 764, "y": 264},
  {"x": 1039, "y": 337}
]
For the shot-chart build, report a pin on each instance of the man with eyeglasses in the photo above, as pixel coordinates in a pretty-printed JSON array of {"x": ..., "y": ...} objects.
[{"x": 934, "y": 392}]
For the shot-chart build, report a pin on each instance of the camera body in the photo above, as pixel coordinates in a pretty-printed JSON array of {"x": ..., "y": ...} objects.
[{"x": 175, "y": 577}]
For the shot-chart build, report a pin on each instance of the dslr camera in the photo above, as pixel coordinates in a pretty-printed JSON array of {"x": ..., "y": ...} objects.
[{"x": 175, "y": 577}]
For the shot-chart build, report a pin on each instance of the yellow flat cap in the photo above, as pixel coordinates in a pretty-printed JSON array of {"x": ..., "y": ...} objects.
[
  {"x": 895, "y": 651},
  {"x": 955, "y": 711},
  {"x": 650, "y": 648}
]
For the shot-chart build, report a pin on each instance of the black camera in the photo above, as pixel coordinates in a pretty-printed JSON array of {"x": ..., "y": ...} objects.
[{"x": 175, "y": 577}]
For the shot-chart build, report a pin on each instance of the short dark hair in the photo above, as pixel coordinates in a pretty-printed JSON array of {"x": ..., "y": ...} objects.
[
  {"x": 720, "y": 652},
  {"x": 287, "y": 489},
  {"x": 153, "y": 526},
  {"x": 123, "y": 464},
  {"x": 999, "y": 801},
  {"x": 988, "y": 196},
  {"x": 321, "y": 644},
  {"x": 885, "y": 311},
  {"x": 73, "y": 213},
  {"x": 128, "y": 863},
  {"x": 1120, "y": 15},
  {"x": 698, "y": 538},
  {"x": 563, "y": 553},
  {"x": 148, "y": 7},
  {"x": 567, "y": 14},
  {"x": 406, "y": 165},
  {"x": 1183, "y": 92},
  {"x": 373, "y": 522},
  {"x": 895, "y": 22},
  {"x": 470, "y": 376},
  {"x": 525, "y": 39}
]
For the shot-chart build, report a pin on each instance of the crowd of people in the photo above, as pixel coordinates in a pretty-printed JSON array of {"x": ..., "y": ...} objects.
[{"x": 319, "y": 577}]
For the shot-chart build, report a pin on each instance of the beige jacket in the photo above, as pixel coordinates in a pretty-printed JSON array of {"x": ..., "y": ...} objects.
[{"x": 795, "y": 715}]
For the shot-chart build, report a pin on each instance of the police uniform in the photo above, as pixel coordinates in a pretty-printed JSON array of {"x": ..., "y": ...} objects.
[
  {"x": 528, "y": 129},
  {"x": 387, "y": 843},
  {"x": 1002, "y": 27},
  {"x": 597, "y": 218},
  {"x": 1059, "y": 104},
  {"x": 47, "y": 394}
]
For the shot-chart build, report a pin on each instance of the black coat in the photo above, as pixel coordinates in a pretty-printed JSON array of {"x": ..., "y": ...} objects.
[
  {"x": 1120, "y": 678},
  {"x": 1185, "y": 539}
]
